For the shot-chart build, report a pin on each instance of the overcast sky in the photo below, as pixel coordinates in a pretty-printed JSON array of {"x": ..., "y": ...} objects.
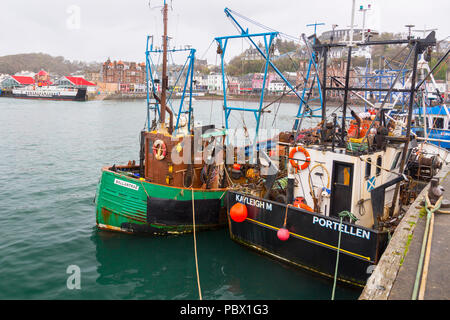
[{"x": 93, "y": 30}]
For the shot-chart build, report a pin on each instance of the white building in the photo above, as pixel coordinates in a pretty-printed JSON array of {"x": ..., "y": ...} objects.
[
  {"x": 201, "y": 81},
  {"x": 25, "y": 73},
  {"x": 215, "y": 82},
  {"x": 277, "y": 86}
]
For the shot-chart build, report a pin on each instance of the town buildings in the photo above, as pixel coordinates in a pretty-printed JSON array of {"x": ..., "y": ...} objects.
[{"x": 125, "y": 76}]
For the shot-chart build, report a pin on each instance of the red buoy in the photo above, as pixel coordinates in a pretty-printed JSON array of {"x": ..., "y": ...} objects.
[
  {"x": 283, "y": 234},
  {"x": 238, "y": 212}
]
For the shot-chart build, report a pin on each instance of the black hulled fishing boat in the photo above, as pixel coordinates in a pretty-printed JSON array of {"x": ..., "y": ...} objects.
[{"x": 330, "y": 194}]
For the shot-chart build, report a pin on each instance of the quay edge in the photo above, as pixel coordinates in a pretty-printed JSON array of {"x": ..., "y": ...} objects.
[{"x": 394, "y": 276}]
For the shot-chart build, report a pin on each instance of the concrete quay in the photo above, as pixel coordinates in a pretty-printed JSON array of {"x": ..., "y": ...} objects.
[{"x": 394, "y": 278}]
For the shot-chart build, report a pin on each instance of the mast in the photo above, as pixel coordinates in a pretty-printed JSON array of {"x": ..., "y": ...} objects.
[{"x": 165, "y": 80}]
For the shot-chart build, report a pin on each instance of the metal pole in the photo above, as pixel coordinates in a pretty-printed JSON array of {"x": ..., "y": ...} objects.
[
  {"x": 347, "y": 79},
  {"x": 162, "y": 117},
  {"x": 408, "y": 126},
  {"x": 324, "y": 94}
]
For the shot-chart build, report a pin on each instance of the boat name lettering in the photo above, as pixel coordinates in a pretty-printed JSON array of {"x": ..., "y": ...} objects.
[
  {"x": 126, "y": 184},
  {"x": 254, "y": 202},
  {"x": 344, "y": 228}
]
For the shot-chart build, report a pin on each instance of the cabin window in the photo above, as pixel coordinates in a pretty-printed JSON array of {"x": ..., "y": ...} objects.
[
  {"x": 438, "y": 123},
  {"x": 368, "y": 168},
  {"x": 343, "y": 175},
  {"x": 394, "y": 163},
  {"x": 379, "y": 165}
]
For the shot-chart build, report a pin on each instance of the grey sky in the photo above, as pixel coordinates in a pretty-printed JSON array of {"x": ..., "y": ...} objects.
[{"x": 118, "y": 29}]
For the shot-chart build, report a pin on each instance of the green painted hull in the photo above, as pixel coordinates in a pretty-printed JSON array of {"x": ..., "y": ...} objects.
[{"x": 127, "y": 204}]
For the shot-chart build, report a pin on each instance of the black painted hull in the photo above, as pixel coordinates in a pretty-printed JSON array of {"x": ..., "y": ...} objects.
[
  {"x": 313, "y": 239},
  {"x": 168, "y": 216},
  {"x": 127, "y": 204}
]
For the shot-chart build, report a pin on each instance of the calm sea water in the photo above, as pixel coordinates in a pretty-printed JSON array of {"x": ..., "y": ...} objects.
[{"x": 51, "y": 154}]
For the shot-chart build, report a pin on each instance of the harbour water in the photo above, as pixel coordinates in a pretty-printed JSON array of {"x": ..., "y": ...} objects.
[{"x": 51, "y": 154}]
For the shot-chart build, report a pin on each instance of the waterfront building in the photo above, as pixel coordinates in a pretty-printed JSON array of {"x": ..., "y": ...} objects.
[
  {"x": 25, "y": 73},
  {"x": 234, "y": 87},
  {"x": 258, "y": 79},
  {"x": 215, "y": 82},
  {"x": 123, "y": 72},
  {"x": 200, "y": 82},
  {"x": 42, "y": 78},
  {"x": 277, "y": 86},
  {"x": 94, "y": 76},
  {"x": 11, "y": 82},
  {"x": 73, "y": 82}
]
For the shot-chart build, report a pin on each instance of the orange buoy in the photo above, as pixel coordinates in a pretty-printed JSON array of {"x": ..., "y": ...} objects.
[{"x": 238, "y": 212}]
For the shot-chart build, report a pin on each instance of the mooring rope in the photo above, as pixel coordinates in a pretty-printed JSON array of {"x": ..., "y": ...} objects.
[
  {"x": 426, "y": 245},
  {"x": 195, "y": 247},
  {"x": 342, "y": 215}
]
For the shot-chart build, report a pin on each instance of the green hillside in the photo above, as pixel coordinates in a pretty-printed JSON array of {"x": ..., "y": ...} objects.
[{"x": 12, "y": 64}]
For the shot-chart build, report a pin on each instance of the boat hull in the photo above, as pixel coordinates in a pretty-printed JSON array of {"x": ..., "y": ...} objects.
[
  {"x": 79, "y": 95},
  {"x": 130, "y": 205},
  {"x": 313, "y": 239}
]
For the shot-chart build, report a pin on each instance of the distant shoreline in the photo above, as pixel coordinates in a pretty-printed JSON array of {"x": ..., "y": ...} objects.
[{"x": 252, "y": 97}]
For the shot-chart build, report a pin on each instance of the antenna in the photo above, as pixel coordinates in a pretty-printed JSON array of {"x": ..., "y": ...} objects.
[
  {"x": 409, "y": 26},
  {"x": 364, "y": 10},
  {"x": 333, "y": 26},
  {"x": 315, "y": 25}
]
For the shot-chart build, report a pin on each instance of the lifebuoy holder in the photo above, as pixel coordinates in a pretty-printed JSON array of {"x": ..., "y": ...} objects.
[
  {"x": 159, "y": 149},
  {"x": 294, "y": 162}
]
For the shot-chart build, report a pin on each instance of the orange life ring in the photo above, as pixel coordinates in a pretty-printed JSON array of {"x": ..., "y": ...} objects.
[
  {"x": 159, "y": 149},
  {"x": 294, "y": 163}
]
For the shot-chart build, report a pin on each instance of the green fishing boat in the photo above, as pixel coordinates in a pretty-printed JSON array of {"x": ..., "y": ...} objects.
[{"x": 174, "y": 188}]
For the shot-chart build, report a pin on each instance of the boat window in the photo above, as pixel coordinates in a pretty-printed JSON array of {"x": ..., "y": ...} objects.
[
  {"x": 343, "y": 175},
  {"x": 439, "y": 123},
  {"x": 394, "y": 163},
  {"x": 379, "y": 165},
  {"x": 368, "y": 168}
]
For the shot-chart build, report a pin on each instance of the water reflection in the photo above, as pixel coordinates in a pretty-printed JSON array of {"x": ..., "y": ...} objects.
[{"x": 139, "y": 267}]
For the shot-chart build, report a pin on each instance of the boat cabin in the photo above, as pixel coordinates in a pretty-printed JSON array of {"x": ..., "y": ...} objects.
[{"x": 337, "y": 181}]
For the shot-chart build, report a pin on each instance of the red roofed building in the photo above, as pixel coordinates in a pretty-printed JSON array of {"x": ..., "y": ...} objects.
[
  {"x": 42, "y": 78},
  {"x": 17, "y": 82},
  {"x": 74, "y": 82}
]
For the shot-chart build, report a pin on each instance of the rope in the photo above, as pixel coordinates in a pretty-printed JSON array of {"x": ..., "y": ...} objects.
[
  {"x": 426, "y": 246},
  {"x": 342, "y": 214},
  {"x": 195, "y": 247}
]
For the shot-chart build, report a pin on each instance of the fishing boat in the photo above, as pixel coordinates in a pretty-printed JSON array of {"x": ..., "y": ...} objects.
[
  {"x": 330, "y": 197},
  {"x": 436, "y": 127},
  {"x": 176, "y": 186}
]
